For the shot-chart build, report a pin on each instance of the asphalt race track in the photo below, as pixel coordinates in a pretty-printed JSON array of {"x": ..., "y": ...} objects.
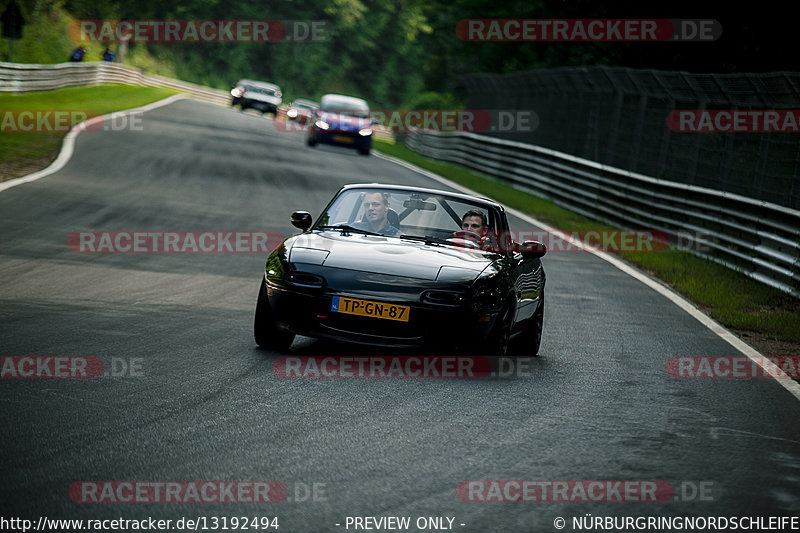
[{"x": 191, "y": 398}]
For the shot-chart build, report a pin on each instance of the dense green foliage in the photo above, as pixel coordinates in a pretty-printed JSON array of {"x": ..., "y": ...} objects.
[{"x": 390, "y": 52}]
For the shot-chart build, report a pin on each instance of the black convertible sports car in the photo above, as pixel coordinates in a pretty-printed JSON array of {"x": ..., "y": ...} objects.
[{"x": 392, "y": 266}]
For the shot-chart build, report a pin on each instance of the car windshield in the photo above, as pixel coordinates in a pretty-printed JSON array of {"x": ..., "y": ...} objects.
[
  {"x": 260, "y": 90},
  {"x": 304, "y": 105},
  {"x": 345, "y": 107},
  {"x": 397, "y": 212}
]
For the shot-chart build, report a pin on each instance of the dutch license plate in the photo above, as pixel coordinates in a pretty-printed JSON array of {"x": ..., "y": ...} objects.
[
  {"x": 343, "y": 139},
  {"x": 355, "y": 306}
]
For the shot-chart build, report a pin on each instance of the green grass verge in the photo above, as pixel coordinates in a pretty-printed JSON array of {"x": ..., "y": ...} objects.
[
  {"x": 729, "y": 297},
  {"x": 27, "y": 149}
]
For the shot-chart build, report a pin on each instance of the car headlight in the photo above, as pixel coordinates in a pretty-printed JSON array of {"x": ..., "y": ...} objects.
[
  {"x": 237, "y": 91},
  {"x": 485, "y": 295},
  {"x": 275, "y": 267},
  {"x": 321, "y": 124},
  {"x": 365, "y": 132},
  {"x": 292, "y": 113}
]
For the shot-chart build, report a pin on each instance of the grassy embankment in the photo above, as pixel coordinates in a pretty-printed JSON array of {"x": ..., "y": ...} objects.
[{"x": 23, "y": 152}]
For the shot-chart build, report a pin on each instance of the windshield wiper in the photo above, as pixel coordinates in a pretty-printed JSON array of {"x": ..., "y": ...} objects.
[
  {"x": 345, "y": 228},
  {"x": 426, "y": 239}
]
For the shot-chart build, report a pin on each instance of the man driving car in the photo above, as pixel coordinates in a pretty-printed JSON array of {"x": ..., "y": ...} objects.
[
  {"x": 474, "y": 227},
  {"x": 376, "y": 210}
]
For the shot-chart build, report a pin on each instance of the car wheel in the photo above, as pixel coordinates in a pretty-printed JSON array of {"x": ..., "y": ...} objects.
[
  {"x": 530, "y": 341},
  {"x": 311, "y": 142},
  {"x": 363, "y": 151},
  {"x": 266, "y": 332}
]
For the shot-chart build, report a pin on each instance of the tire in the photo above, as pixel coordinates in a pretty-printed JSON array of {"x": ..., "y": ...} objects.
[
  {"x": 266, "y": 332},
  {"x": 363, "y": 151},
  {"x": 530, "y": 341},
  {"x": 311, "y": 142}
]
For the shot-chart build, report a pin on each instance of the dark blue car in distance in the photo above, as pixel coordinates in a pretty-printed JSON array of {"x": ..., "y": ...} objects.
[{"x": 342, "y": 120}]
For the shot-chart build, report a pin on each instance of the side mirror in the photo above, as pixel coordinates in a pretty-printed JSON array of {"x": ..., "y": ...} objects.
[
  {"x": 302, "y": 220},
  {"x": 531, "y": 249}
]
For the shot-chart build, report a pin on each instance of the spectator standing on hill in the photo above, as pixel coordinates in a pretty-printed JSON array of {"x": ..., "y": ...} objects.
[{"x": 78, "y": 53}]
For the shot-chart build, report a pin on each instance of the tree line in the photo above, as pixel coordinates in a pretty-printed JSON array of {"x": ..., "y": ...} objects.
[{"x": 408, "y": 53}]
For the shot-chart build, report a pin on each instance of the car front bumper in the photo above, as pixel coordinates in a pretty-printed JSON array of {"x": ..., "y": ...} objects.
[
  {"x": 342, "y": 138},
  {"x": 308, "y": 313},
  {"x": 258, "y": 104}
]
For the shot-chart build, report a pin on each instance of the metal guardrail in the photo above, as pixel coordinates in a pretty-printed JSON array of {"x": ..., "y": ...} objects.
[
  {"x": 759, "y": 239},
  {"x": 20, "y": 77},
  {"x": 619, "y": 116}
]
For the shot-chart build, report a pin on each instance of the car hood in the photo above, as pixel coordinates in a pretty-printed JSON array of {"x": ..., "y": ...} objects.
[
  {"x": 262, "y": 97},
  {"x": 345, "y": 122},
  {"x": 388, "y": 255}
]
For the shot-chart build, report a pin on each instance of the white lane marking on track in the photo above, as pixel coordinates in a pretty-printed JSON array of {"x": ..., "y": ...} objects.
[
  {"x": 68, "y": 145},
  {"x": 754, "y": 355}
]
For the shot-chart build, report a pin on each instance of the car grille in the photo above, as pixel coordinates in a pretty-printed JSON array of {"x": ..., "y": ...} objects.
[{"x": 372, "y": 326}]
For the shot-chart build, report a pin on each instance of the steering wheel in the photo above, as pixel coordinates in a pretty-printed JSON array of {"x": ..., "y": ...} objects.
[
  {"x": 466, "y": 234},
  {"x": 465, "y": 238}
]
